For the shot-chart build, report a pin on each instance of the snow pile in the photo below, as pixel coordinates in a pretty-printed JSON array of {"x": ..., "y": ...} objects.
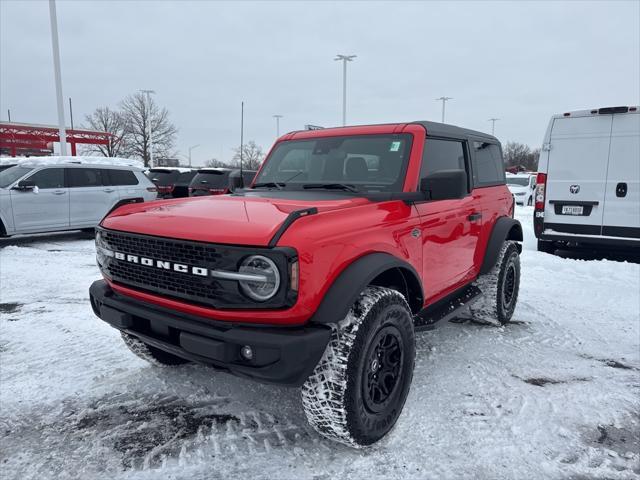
[
  {"x": 55, "y": 160},
  {"x": 555, "y": 394}
]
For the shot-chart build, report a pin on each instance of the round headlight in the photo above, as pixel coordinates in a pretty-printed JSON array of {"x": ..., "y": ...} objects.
[{"x": 265, "y": 288}]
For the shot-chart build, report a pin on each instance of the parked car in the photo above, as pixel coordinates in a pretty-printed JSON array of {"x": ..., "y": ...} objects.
[
  {"x": 522, "y": 186},
  {"x": 588, "y": 185},
  {"x": 172, "y": 182},
  {"x": 351, "y": 238},
  {"x": 36, "y": 197},
  {"x": 218, "y": 181}
]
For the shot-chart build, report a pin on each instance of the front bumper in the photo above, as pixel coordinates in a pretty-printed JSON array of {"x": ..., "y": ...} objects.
[{"x": 281, "y": 355}]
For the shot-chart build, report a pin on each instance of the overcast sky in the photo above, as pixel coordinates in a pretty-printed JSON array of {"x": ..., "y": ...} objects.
[{"x": 520, "y": 62}]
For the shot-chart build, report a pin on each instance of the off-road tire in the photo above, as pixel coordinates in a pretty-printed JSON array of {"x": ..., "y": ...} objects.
[
  {"x": 499, "y": 288},
  {"x": 342, "y": 398},
  {"x": 151, "y": 354},
  {"x": 546, "y": 246}
]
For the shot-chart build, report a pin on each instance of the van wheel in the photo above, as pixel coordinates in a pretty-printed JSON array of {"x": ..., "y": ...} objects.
[
  {"x": 356, "y": 392},
  {"x": 500, "y": 288},
  {"x": 546, "y": 247},
  {"x": 151, "y": 354}
]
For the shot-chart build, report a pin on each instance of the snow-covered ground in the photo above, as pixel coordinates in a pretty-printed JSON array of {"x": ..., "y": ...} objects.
[{"x": 556, "y": 394}]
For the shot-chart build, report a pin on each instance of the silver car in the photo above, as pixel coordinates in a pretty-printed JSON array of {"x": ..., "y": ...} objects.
[{"x": 38, "y": 198}]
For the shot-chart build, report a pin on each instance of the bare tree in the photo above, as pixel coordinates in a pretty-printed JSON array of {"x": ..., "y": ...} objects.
[
  {"x": 138, "y": 114},
  {"x": 520, "y": 155},
  {"x": 214, "y": 162},
  {"x": 252, "y": 156},
  {"x": 104, "y": 119}
]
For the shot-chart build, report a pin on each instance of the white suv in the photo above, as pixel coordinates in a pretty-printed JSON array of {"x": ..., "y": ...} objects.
[
  {"x": 40, "y": 197},
  {"x": 522, "y": 186}
]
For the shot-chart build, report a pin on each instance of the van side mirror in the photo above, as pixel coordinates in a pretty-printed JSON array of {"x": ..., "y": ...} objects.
[
  {"x": 26, "y": 185},
  {"x": 235, "y": 182},
  {"x": 445, "y": 185}
]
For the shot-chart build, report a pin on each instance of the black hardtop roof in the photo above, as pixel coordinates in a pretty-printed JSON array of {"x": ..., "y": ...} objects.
[{"x": 437, "y": 129}]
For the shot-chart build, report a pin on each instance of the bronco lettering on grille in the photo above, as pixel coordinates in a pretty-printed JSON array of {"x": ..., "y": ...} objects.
[{"x": 150, "y": 262}]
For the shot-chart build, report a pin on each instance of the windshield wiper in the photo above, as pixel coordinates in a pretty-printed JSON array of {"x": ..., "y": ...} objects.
[
  {"x": 331, "y": 186},
  {"x": 278, "y": 185}
]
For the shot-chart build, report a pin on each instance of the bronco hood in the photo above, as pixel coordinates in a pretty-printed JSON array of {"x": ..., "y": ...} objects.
[{"x": 237, "y": 220}]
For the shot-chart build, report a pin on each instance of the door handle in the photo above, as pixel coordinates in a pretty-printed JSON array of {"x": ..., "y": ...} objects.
[
  {"x": 474, "y": 217},
  {"x": 59, "y": 192},
  {"x": 109, "y": 190},
  {"x": 621, "y": 190}
]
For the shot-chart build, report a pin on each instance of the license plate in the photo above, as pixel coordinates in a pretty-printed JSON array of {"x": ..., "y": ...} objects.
[{"x": 572, "y": 210}]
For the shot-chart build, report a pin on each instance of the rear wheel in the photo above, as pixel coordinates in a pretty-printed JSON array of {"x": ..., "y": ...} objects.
[
  {"x": 356, "y": 392},
  {"x": 151, "y": 354},
  {"x": 500, "y": 287}
]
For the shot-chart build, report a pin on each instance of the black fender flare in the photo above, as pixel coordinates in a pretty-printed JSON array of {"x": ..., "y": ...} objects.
[
  {"x": 354, "y": 279},
  {"x": 505, "y": 228}
]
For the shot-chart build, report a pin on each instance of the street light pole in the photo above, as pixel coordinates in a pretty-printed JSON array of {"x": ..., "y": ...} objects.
[
  {"x": 58, "y": 76},
  {"x": 493, "y": 124},
  {"x": 344, "y": 59},
  {"x": 444, "y": 100},
  {"x": 277, "y": 117},
  {"x": 191, "y": 148},
  {"x": 150, "y": 131}
]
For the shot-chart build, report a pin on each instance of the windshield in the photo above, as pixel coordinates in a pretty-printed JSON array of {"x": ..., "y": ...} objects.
[
  {"x": 163, "y": 177},
  {"x": 366, "y": 163},
  {"x": 10, "y": 175},
  {"x": 524, "y": 181},
  {"x": 211, "y": 179}
]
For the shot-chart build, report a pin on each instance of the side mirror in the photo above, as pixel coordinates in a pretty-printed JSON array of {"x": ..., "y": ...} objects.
[
  {"x": 235, "y": 182},
  {"x": 26, "y": 185},
  {"x": 445, "y": 185}
]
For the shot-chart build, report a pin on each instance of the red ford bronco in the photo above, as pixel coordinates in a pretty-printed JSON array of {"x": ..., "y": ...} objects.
[{"x": 319, "y": 273}]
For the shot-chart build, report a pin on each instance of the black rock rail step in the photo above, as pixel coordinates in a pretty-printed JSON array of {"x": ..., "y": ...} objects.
[{"x": 447, "y": 308}]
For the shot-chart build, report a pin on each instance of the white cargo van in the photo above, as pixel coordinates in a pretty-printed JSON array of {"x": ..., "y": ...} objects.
[{"x": 588, "y": 184}]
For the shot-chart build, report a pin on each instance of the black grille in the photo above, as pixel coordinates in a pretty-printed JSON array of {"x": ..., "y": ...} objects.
[{"x": 209, "y": 291}]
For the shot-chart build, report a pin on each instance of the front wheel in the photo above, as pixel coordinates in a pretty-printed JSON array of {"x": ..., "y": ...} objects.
[
  {"x": 356, "y": 392},
  {"x": 500, "y": 287}
]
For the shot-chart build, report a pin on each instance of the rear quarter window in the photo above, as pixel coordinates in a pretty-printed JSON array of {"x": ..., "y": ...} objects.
[
  {"x": 119, "y": 177},
  {"x": 487, "y": 163}
]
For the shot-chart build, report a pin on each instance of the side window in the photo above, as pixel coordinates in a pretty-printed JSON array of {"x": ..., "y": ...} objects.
[
  {"x": 85, "y": 177},
  {"x": 48, "y": 178},
  {"x": 488, "y": 167},
  {"x": 119, "y": 177},
  {"x": 442, "y": 155}
]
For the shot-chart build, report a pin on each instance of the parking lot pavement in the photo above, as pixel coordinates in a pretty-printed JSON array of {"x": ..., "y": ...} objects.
[{"x": 555, "y": 394}]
